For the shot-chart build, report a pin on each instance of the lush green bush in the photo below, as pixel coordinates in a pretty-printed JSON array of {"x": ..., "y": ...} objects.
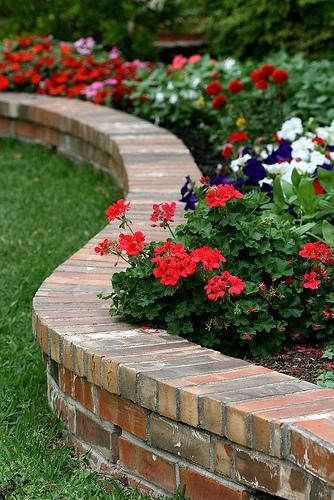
[
  {"x": 262, "y": 296},
  {"x": 253, "y": 28}
]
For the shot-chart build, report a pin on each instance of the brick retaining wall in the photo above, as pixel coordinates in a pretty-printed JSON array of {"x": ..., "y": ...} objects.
[{"x": 143, "y": 404}]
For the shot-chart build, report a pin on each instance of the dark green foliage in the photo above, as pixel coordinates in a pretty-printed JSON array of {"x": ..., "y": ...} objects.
[{"x": 253, "y": 28}]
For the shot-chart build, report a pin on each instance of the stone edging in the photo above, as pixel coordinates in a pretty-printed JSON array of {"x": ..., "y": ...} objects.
[{"x": 159, "y": 409}]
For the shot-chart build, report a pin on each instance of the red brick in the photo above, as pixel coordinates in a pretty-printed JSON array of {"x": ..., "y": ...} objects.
[
  {"x": 256, "y": 472},
  {"x": 202, "y": 487},
  {"x": 147, "y": 464},
  {"x": 94, "y": 434},
  {"x": 83, "y": 392},
  {"x": 66, "y": 381},
  {"x": 121, "y": 412},
  {"x": 167, "y": 401},
  {"x": 312, "y": 455}
]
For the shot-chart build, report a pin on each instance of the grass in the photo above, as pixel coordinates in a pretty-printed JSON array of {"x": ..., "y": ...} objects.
[{"x": 49, "y": 208}]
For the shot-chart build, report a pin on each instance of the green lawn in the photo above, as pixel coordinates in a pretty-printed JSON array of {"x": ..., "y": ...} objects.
[{"x": 49, "y": 208}]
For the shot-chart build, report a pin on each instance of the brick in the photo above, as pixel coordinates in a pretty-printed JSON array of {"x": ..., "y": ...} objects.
[
  {"x": 147, "y": 464},
  {"x": 110, "y": 376},
  {"x": 180, "y": 440},
  {"x": 127, "y": 382},
  {"x": 312, "y": 455},
  {"x": 95, "y": 435},
  {"x": 236, "y": 426},
  {"x": 121, "y": 412},
  {"x": 93, "y": 368},
  {"x": 320, "y": 490},
  {"x": 199, "y": 486},
  {"x": 148, "y": 393},
  {"x": 223, "y": 457},
  {"x": 65, "y": 411},
  {"x": 212, "y": 419},
  {"x": 66, "y": 381},
  {"x": 256, "y": 472},
  {"x": 167, "y": 401},
  {"x": 83, "y": 392},
  {"x": 188, "y": 408}
]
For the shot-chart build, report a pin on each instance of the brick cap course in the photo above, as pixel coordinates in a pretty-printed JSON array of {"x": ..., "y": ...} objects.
[{"x": 270, "y": 413}]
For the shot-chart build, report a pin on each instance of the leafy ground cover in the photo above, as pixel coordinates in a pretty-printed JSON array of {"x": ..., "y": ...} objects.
[{"x": 43, "y": 196}]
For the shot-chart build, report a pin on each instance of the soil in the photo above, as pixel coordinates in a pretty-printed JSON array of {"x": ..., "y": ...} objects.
[
  {"x": 301, "y": 361},
  {"x": 201, "y": 149}
]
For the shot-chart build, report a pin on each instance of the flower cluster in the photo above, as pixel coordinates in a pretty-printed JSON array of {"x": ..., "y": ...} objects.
[
  {"x": 172, "y": 262},
  {"x": 267, "y": 73},
  {"x": 117, "y": 210},
  {"x": 163, "y": 212},
  {"x": 218, "y": 286},
  {"x": 45, "y": 66},
  {"x": 317, "y": 251},
  {"x": 218, "y": 196}
]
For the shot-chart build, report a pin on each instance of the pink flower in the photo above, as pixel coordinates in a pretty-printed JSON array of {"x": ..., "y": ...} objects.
[
  {"x": 179, "y": 62},
  {"x": 194, "y": 59}
]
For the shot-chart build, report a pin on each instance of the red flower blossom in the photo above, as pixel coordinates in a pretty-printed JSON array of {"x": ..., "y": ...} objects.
[
  {"x": 209, "y": 258},
  {"x": 318, "y": 189},
  {"x": 318, "y": 141},
  {"x": 235, "y": 86},
  {"x": 219, "y": 101},
  {"x": 218, "y": 196},
  {"x": 163, "y": 212},
  {"x": 262, "y": 287},
  {"x": 239, "y": 136},
  {"x": 261, "y": 84},
  {"x": 132, "y": 244},
  {"x": 311, "y": 281},
  {"x": 4, "y": 82},
  {"x": 117, "y": 210},
  {"x": 213, "y": 88},
  {"x": 218, "y": 286},
  {"x": 267, "y": 70},
  {"x": 280, "y": 76},
  {"x": 317, "y": 251},
  {"x": 227, "y": 150},
  {"x": 256, "y": 75},
  {"x": 104, "y": 247},
  {"x": 172, "y": 262},
  {"x": 247, "y": 336}
]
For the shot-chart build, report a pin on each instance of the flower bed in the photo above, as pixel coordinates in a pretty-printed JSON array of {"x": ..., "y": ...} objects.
[{"x": 108, "y": 378}]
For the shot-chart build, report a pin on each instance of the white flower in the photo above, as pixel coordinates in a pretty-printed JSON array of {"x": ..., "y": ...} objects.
[
  {"x": 229, "y": 63},
  {"x": 266, "y": 180},
  {"x": 195, "y": 82},
  {"x": 291, "y": 129},
  {"x": 159, "y": 97},
  {"x": 190, "y": 94},
  {"x": 302, "y": 148},
  {"x": 170, "y": 86},
  {"x": 239, "y": 162},
  {"x": 173, "y": 99},
  {"x": 318, "y": 158}
]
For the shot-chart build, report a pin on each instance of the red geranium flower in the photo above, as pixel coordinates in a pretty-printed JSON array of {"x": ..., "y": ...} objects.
[
  {"x": 172, "y": 262},
  {"x": 217, "y": 286},
  {"x": 209, "y": 258},
  {"x": 239, "y": 136},
  {"x": 318, "y": 189},
  {"x": 4, "y": 82},
  {"x": 219, "y": 101},
  {"x": 117, "y": 210},
  {"x": 256, "y": 75},
  {"x": 235, "y": 86},
  {"x": 267, "y": 70},
  {"x": 163, "y": 212},
  {"x": 213, "y": 88},
  {"x": 311, "y": 281},
  {"x": 280, "y": 76},
  {"x": 227, "y": 150},
  {"x": 317, "y": 251},
  {"x": 218, "y": 196},
  {"x": 132, "y": 244},
  {"x": 261, "y": 84}
]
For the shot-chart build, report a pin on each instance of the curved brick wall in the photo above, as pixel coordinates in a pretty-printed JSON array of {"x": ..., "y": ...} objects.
[{"x": 150, "y": 406}]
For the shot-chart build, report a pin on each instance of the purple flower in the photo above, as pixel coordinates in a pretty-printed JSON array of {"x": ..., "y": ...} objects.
[
  {"x": 255, "y": 171},
  {"x": 188, "y": 195},
  {"x": 282, "y": 153}
]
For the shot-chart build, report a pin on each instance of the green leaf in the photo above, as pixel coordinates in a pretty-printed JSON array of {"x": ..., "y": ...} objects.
[
  {"x": 326, "y": 179},
  {"x": 278, "y": 193},
  {"x": 328, "y": 232},
  {"x": 306, "y": 195}
]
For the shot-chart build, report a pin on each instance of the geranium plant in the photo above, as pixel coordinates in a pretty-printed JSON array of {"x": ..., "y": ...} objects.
[{"x": 231, "y": 277}]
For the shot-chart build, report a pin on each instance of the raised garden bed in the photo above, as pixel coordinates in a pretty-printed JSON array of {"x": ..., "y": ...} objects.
[{"x": 166, "y": 411}]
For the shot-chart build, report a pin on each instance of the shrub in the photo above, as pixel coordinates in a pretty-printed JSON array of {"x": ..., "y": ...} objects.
[{"x": 229, "y": 278}]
